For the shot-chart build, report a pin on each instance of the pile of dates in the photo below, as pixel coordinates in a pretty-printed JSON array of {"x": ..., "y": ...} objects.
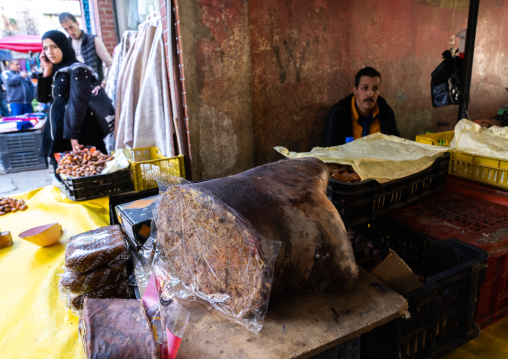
[
  {"x": 83, "y": 163},
  {"x": 367, "y": 254},
  {"x": 343, "y": 173},
  {"x": 11, "y": 205}
]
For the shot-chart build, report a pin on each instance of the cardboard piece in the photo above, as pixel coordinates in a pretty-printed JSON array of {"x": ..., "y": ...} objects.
[{"x": 396, "y": 273}]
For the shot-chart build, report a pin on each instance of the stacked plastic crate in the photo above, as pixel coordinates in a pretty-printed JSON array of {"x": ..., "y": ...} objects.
[
  {"x": 474, "y": 209},
  {"x": 479, "y": 222},
  {"x": 442, "y": 310},
  {"x": 147, "y": 163},
  {"x": 21, "y": 151}
]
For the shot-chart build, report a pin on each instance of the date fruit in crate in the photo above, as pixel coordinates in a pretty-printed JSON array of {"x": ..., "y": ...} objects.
[
  {"x": 344, "y": 173},
  {"x": 83, "y": 163},
  {"x": 367, "y": 254},
  {"x": 8, "y": 205}
]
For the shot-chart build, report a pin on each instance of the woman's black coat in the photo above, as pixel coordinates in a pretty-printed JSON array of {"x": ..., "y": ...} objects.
[{"x": 70, "y": 90}]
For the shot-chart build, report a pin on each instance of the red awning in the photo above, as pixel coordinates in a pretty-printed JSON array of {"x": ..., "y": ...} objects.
[{"x": 22, "y": 43}]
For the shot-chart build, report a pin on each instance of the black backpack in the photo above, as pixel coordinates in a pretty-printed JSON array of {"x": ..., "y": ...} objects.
[{"x": 446, "y": 81}]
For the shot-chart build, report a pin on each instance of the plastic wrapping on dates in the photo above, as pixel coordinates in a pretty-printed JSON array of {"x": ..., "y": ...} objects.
[
  {"x": 143, "y": 264},
  {"x": 74, "y": 302},
  {"x": 222, "y": 236},
  {"x": 80, "y": 283},
  {"x": 105, "y": 246},
  {"x": 116, "y": 328},
  {"x": 213, "y": 255}
]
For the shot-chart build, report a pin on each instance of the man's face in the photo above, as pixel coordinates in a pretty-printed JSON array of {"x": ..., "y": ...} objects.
[
  {"x": 366, "y": 93},
  {"x": 72, "y": 29},
  {"x": 15, "y": 66}
]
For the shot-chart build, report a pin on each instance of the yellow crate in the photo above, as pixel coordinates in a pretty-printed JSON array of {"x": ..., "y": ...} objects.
[
  {"x": 148, "y": 162},
  {"x": 488, "y": 170},
  {"x": 436, "y": 139}
]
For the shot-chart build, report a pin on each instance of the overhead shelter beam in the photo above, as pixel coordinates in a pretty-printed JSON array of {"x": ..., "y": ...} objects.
[{"x": 472, "y": 22}]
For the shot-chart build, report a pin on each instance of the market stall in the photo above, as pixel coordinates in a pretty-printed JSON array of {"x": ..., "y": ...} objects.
[
  {"x": 33, "y": 321},
  {"x": 384, "y": 308},
  {"x": 22, "y": 43},
  {"x": 295, "y": 324},
  {"x": 51, "y": 330},
  {"x": 21, "y": 136}
]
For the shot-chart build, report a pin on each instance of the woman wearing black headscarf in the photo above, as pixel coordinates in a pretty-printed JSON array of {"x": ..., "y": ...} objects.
[{"x": 68, "y": 84}]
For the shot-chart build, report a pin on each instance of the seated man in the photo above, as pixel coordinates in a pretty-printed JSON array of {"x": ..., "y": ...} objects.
[{"x": 361, "y": 113}]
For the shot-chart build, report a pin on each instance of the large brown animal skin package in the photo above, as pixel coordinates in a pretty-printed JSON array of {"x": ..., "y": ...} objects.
[
  {"x": 210, "y": 233},
  {"x": 117, "y": 328}
]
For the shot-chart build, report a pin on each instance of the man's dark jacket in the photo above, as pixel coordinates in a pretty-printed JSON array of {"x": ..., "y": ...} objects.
[
  {"x": 19, "y": 89},
  {"x": 339, "y": 123},
  {"x": 2, "y": 92},
  {"x": 89, "y": 54}
]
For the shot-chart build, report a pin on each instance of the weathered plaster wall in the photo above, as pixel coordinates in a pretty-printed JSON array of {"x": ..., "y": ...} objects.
[
  {"x": 266, "y": 72},
  {"x": 490, "y": 65},
  {"x": 305, "y": 56},
  {"x": 218, "y": 79}
]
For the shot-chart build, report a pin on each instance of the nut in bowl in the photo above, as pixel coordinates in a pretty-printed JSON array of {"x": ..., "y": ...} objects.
[{"x": 44, "y": 235}]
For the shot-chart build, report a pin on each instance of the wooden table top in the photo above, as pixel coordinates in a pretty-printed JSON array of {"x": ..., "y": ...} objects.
[{"x": 296, "y": 326}]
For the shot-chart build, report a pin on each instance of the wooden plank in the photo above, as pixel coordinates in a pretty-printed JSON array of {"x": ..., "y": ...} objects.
[{"x": 296, "y": 326}]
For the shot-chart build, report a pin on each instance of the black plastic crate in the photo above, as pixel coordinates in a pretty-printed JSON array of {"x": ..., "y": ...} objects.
[
  {"x": 121, "y": 198},
  {"x": 363, "y": 201},
  {"x": 20, "y": 142},
  {"x": 23, "y": 161},
  {"x": 83, "y": 188},
  {"x": 443, "y": 310},
  {"x": 348, "y": 350}
]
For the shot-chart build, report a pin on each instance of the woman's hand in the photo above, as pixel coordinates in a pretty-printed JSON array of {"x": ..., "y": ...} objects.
[
  {"x": 48, "y": 65},
  {"x": 96, "y": 89},
  {"x": 75, "y": 145}
]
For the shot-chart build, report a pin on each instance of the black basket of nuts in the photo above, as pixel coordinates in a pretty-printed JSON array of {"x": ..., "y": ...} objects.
[
  {"x": 359, "y": 202},
  {"x": 82, "y": 162},
  {"x": 81, "y": 175}
]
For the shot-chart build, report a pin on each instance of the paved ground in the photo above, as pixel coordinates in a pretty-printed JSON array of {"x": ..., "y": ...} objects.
[{"x": 20, "y": 182}]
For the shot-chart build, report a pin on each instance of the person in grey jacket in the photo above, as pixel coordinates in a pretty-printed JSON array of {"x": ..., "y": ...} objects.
[{"x": 19, "y": 88}]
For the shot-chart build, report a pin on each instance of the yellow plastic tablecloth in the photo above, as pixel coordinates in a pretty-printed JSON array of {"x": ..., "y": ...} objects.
[{"x": 33, "y": 320}]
